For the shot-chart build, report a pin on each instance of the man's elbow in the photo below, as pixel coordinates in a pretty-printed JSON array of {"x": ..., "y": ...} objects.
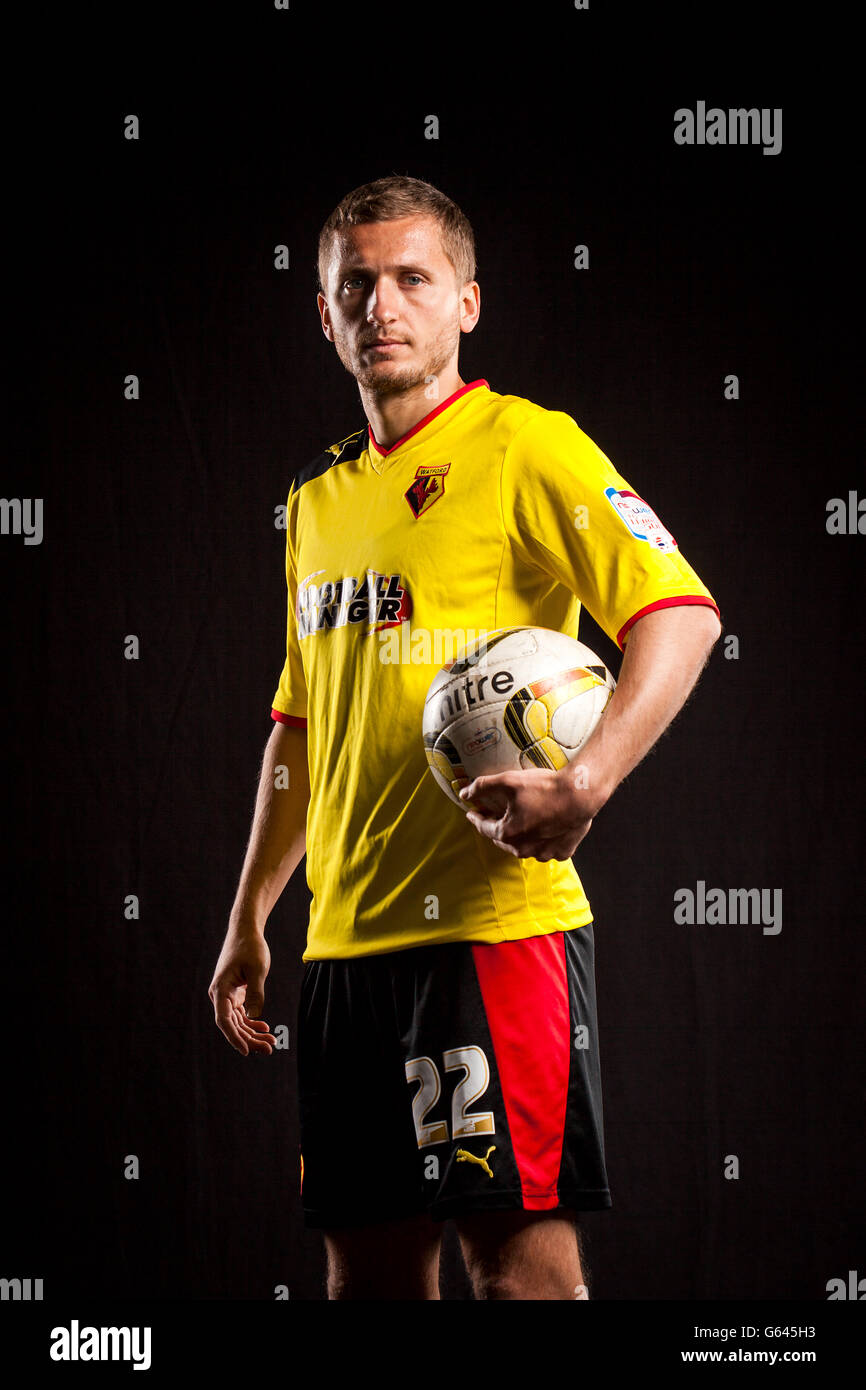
[
  {"x": 707, "y": 628},
  {"x": 696, "y": 625},
  {"x": 712, "y": 622}
]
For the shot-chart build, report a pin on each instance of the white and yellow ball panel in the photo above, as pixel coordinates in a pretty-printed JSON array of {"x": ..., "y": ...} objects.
[{"x": 562, "y": 691}]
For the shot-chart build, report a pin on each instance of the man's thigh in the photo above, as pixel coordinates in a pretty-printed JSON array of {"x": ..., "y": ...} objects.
[
  {"x": 508, "y": 1255},
  {"x": 523, "y": 1255},
  {"x": 388, "y": 1260}
]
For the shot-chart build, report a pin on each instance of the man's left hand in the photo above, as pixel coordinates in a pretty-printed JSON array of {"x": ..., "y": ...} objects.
[{"x": 533, "y": 814}]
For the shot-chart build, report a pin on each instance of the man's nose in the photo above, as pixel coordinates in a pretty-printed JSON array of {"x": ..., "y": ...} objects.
[{"x": 382, "y": 303}]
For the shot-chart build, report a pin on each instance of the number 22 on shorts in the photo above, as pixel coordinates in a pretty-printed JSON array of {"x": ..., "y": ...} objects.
[{"x": 476, "y": 1079}]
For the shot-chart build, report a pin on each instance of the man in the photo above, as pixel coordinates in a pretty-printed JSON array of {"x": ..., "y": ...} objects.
[{"x": 447, "y": 1039}]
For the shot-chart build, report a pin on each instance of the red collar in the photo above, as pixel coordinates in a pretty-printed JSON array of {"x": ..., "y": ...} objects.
[{"x": 427, "y": 418}]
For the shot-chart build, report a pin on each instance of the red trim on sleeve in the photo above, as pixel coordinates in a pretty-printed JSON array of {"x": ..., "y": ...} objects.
[
  {"x": 288, "y": 718},
  {"x": 677, "y": 602},
  {"x": 431, "y": 415}
]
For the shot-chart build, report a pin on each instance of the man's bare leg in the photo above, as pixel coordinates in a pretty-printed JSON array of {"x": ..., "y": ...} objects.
[
  {"x": 522, "y": 1254},
  {"x": 389, "y": 1260}
]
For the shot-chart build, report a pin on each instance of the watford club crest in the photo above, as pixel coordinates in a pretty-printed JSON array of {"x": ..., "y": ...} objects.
[{"x": 428, "y": 487}]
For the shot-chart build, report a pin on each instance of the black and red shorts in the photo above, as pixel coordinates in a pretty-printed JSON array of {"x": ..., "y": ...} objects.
[{"x": 451, "y": 1078}]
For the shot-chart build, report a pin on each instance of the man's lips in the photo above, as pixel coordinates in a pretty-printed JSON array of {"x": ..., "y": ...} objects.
[{"x": 386, "y": 343}]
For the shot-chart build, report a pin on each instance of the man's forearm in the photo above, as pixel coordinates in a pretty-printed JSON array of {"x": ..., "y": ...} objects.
[
  {"x": 664, "y": 655},
  {"x": 278, "y": 836}
]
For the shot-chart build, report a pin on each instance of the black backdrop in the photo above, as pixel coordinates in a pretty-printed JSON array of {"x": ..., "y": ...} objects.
[{"x": 155, "y": 257}]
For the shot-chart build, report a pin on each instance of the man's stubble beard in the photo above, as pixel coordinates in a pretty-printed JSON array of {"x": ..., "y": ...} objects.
[{"x": 439, "y": 354}]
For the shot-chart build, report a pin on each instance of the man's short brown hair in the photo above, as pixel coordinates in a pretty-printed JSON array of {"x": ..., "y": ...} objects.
[{"x": 398, "y": 195}]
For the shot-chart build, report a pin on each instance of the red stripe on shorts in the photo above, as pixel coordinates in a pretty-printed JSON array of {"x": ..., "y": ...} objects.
[{"x": 525, "y": 991}]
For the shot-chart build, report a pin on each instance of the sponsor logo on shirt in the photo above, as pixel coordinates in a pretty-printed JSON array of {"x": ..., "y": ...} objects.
[
  {"x": 640, "y": 519},
  {"x": 373, "y": 599}
]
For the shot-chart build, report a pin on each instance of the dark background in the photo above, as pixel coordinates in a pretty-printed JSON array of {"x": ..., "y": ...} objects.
[{"x": 156, "y": 258}]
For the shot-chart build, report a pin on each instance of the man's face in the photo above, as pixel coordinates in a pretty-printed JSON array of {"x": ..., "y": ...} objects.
[{"x": 392, "y": 281}]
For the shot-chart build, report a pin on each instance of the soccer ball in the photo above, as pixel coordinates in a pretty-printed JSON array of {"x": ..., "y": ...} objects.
[{"x": 517, "y": 698}]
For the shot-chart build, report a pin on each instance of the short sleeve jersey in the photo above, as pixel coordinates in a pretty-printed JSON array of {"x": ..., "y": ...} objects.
[{"x": 491, "y": 512}]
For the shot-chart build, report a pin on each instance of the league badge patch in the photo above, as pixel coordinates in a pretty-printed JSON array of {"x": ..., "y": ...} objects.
[
  {"x": 428, "y": 487},
  {"x": 640, "y": 519}
]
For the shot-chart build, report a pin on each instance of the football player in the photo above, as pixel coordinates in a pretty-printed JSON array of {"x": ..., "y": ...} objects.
[{"x": 448, "y": 1057}]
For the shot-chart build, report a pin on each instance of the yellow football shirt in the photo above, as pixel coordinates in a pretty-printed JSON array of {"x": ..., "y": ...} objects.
[{"x": 491, "y": 512}]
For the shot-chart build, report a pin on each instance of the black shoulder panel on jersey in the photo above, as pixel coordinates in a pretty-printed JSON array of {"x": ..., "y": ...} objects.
[{"x": 351, "y": 447}]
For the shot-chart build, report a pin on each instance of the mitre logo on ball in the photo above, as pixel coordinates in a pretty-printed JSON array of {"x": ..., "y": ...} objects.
[{"x": 517, "y": 698}]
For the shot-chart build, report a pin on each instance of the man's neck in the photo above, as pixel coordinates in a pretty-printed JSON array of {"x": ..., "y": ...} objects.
[{"x": 392, "y": 416}]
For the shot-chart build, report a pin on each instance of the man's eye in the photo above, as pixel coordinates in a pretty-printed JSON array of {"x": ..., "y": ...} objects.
[{"x": 359, "y": 280}]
